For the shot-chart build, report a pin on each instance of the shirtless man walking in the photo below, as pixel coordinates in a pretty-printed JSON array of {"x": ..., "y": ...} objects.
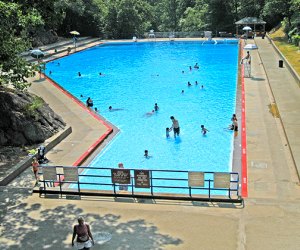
[{"x": 175, "y": 126}]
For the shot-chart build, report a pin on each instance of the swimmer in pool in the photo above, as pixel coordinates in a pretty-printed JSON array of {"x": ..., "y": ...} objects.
[
  {"x": 111, "y": 109},
  {"x": 204, "y": 130},
  {"x": 148, "y": 114},
  {"x": 167, "y": 132}
]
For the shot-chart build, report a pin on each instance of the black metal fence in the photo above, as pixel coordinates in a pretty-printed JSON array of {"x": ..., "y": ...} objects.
[{"x": 139, "y": 183}]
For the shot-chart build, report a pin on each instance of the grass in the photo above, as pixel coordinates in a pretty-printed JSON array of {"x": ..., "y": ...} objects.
[{"x": 290, "y": 51}]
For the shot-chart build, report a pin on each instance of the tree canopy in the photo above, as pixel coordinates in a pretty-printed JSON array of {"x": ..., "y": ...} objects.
[{"x": 114, "y": 19}]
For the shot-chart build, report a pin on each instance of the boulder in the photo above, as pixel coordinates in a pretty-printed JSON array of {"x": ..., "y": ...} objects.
[{"x": 26, "y": 119}]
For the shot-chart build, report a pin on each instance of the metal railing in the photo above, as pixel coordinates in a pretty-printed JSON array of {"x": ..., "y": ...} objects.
[{"x": 162, "y": 184}]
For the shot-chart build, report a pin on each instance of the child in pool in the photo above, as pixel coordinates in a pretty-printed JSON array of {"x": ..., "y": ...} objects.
[{"x": 167, "y": 132}]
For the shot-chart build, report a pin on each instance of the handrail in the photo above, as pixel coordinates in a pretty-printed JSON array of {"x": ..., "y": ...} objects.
[{"x": 160, "y": 187}]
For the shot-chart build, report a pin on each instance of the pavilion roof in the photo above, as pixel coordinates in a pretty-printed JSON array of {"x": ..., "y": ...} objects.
[{"x": 250, "y": 20}]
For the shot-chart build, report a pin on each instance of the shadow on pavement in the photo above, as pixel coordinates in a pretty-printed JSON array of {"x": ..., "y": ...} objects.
[{"x": 25, "y": 226}]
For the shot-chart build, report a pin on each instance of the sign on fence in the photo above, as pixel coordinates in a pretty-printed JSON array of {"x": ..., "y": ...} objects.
[
  {"x": 141, "y": 178},
  {"x": 71, "y": 174},
  {"x": 121, "y": 176},
  {"x": 196, "y": 179},
  {"x": 221, "y": 180}
]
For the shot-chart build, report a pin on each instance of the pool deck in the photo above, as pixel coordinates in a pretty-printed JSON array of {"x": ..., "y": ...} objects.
[{"x": 269, "y": 220}]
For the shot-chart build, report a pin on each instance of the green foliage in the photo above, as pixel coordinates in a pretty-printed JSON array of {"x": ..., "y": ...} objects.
[
  {"x": 13, "y": 40},
  {"x": 31, "y": 109},
  {"x": 126, "y": 18},
  {"x": 296, "y": 40}
]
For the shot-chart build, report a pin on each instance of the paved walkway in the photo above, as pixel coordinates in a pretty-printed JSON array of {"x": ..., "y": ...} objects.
[
  {"x": 285, "y": 93},
  {"x": 270, "y": 219}
]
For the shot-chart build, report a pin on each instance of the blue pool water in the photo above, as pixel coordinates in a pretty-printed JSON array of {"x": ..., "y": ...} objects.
[{"x": 137, "y": 75}]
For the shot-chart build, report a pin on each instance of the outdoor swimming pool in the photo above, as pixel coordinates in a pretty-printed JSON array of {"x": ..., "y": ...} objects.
[{"x": 134, "y": 77}]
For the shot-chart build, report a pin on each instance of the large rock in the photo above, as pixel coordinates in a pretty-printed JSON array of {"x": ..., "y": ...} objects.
[
  {"x": 42, "y": 37},
  {"x": 26, "y": 119}
]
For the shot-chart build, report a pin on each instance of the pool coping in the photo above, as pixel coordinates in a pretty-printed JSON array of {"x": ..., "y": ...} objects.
[
  {"x": 98, "y": 146},
  {"x": 108, "y": 125}
]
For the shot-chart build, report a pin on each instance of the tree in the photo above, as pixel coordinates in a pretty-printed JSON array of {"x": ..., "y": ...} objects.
[
  {"x": 194, "y": 18},
  {"x": 126, "y": 18},
  {"x": 275, "y": 11},
  {"x": 13, "y": 40}
]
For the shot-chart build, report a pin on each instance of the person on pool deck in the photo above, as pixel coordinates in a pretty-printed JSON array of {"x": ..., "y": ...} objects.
[
  {"x": 35, "y": 168},
  {"x": 122, "y": 187},
  {"x": 204, "y": 130},
  {"x": 247, "y": 58},
  {"x": 156, "y": 108},
  {"x": 175, "y": 126},
  {"x": 84, "y": 239}
]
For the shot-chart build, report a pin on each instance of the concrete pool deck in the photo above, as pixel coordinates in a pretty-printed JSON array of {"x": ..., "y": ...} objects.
[{"x": 269, "y": 220}]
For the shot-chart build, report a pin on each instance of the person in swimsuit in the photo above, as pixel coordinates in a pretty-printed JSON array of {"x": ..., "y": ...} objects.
[
  {"x": 247, "y": 58},
  {"x": 35, "y": 168},
  {"x": 234, "y": 126},
  {"x": 89, "y": 102},
  {"x": 233, "y": 118},
  {"x": 167, "y": 132},
  {"x": 156, "y": 108},
  {"x": 175, "y": 126},
  {"x": 84, "y": 236}
]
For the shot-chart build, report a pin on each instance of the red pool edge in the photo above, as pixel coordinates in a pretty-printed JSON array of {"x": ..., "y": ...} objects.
[
  {"x": 93, "y": 147},
  {"x": 244, "y": 167}
]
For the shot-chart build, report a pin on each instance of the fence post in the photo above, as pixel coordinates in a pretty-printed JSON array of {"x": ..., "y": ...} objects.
[
  {"x": 78, "y": 183},
  {"x": 151, "y": 183},
  {"x": 60, "y": 190},
  {"x": 209, "y": 188}
]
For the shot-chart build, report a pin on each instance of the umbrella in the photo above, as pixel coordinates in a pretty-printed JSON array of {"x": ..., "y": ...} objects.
[
  {"x": 75, "y": 33},
  {"x": 36, "y": 53},
  {"x": 250, "y": 46},
  {"x": 247, "y": 28}
]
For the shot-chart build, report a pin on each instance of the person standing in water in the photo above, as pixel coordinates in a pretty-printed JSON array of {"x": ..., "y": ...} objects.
[{"x": 175, "y": 126}]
